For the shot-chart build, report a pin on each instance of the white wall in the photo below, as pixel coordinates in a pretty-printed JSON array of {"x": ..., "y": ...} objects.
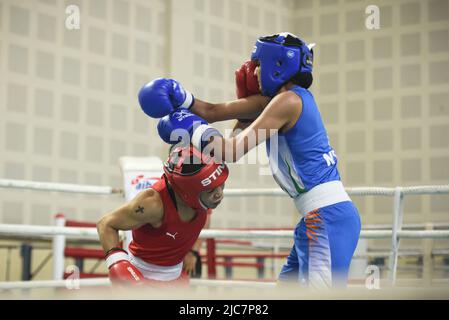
[{"x": 69, "y": 109}]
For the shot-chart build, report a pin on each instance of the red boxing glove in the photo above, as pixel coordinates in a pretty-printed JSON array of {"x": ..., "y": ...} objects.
[
  {"x": 245, "y": 81},
  {"x": 121, "y": 270}
]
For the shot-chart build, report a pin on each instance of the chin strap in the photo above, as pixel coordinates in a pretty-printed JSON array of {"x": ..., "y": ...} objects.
[{"x": 171, "y": 192}]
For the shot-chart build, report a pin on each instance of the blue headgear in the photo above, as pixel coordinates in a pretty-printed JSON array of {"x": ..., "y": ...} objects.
[{"x": 281, "y": 57}]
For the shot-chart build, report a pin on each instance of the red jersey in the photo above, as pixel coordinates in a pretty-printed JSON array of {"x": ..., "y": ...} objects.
[{"x": 168, "y": 244}]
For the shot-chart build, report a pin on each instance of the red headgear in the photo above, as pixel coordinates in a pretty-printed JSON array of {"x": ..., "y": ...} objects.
[{"x": 189, "y": 185}]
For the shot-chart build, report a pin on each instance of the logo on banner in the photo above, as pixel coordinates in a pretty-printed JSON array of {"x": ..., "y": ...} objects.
[{"x": 141, "y": 183}]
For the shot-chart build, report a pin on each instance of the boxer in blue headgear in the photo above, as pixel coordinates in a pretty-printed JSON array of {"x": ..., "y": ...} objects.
[
  {"x": 281, "y": 57},
  {"x": 304, "y": 164}
]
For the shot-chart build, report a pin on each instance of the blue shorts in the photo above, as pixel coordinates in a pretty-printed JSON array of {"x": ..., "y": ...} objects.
[{"x": 324, "y": 243}]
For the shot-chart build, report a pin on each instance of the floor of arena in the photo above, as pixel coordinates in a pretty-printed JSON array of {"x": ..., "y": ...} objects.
[{"x": 217, "y": 293}]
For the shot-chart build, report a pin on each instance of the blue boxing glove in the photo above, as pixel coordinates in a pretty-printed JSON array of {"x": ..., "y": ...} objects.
[
  {"x": 182, "y": 125},
  {"x": 162, "y": 96}
]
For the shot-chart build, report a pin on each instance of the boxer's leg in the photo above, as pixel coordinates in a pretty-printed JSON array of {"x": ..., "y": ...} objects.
[
  {"x": 316, "y": 251},
  {"x": 325, "y": 241},
  {"x": 296, "y": 267},
  {"x": 343, "y": 226},
  {"x": 309, "y": 261},
  {"x": 332, "y": 235}
]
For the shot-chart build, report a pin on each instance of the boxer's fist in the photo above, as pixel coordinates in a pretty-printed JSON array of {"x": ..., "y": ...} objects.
[
  {"x": 121, "y": 270},
  {"x": 162, "y": 96},
  {"x": 245, "y": 81},
  {"x": 186, "y": 126}
]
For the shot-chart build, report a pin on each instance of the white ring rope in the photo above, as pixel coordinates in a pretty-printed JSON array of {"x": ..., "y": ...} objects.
[
  {"x": 54, "y": 283},
  {"x": 19, "y": 230},
  {"x": 60, "y": 187},
  {"x": 80, "y": 283},
  {"x": 90, "y": 233},
  {"x": 358, "y": 191}
]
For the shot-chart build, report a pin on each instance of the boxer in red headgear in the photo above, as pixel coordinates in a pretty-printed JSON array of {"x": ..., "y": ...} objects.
[{"x": 166, "y": 220}]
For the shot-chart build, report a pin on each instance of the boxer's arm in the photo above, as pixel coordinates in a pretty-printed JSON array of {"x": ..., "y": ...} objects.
[
  {"x": 246, "y": 108},
  {"x": 145, "y": 208},
  {"x": 199, "y": 241},
  {"x": 281, "y": 114},
  {"x": 191, "y": 257},
  {"x": 239, "y": 126}
]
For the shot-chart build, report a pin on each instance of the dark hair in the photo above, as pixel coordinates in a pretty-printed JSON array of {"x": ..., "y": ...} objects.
[
  {"x": 191, "y": 165},
  {"x": 303, "y": 79}
]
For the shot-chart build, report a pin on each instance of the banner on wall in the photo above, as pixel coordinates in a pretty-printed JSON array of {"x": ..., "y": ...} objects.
[{"x": 139, "y": 173}]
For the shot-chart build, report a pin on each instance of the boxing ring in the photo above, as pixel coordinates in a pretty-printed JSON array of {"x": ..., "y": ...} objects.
[{"x": 60, "y": 233}]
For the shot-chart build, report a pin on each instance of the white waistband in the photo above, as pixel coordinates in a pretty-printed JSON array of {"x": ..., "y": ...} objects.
[
  {"x": 155, "y": 272},
  {"x": 321, "y": 196}
]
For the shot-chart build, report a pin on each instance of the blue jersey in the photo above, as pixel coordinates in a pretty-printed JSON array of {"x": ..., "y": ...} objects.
[{"x": 304, "y": 157}]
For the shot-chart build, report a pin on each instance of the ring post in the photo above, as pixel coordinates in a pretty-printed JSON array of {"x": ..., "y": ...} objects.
[
  {"x": 58, "y": 249},
  {"x": 26, "y": 253},
  {"x": 427, "y": 258},
  {"x": 211, "y": 262},
  {"x": 398, "y": 207}
]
